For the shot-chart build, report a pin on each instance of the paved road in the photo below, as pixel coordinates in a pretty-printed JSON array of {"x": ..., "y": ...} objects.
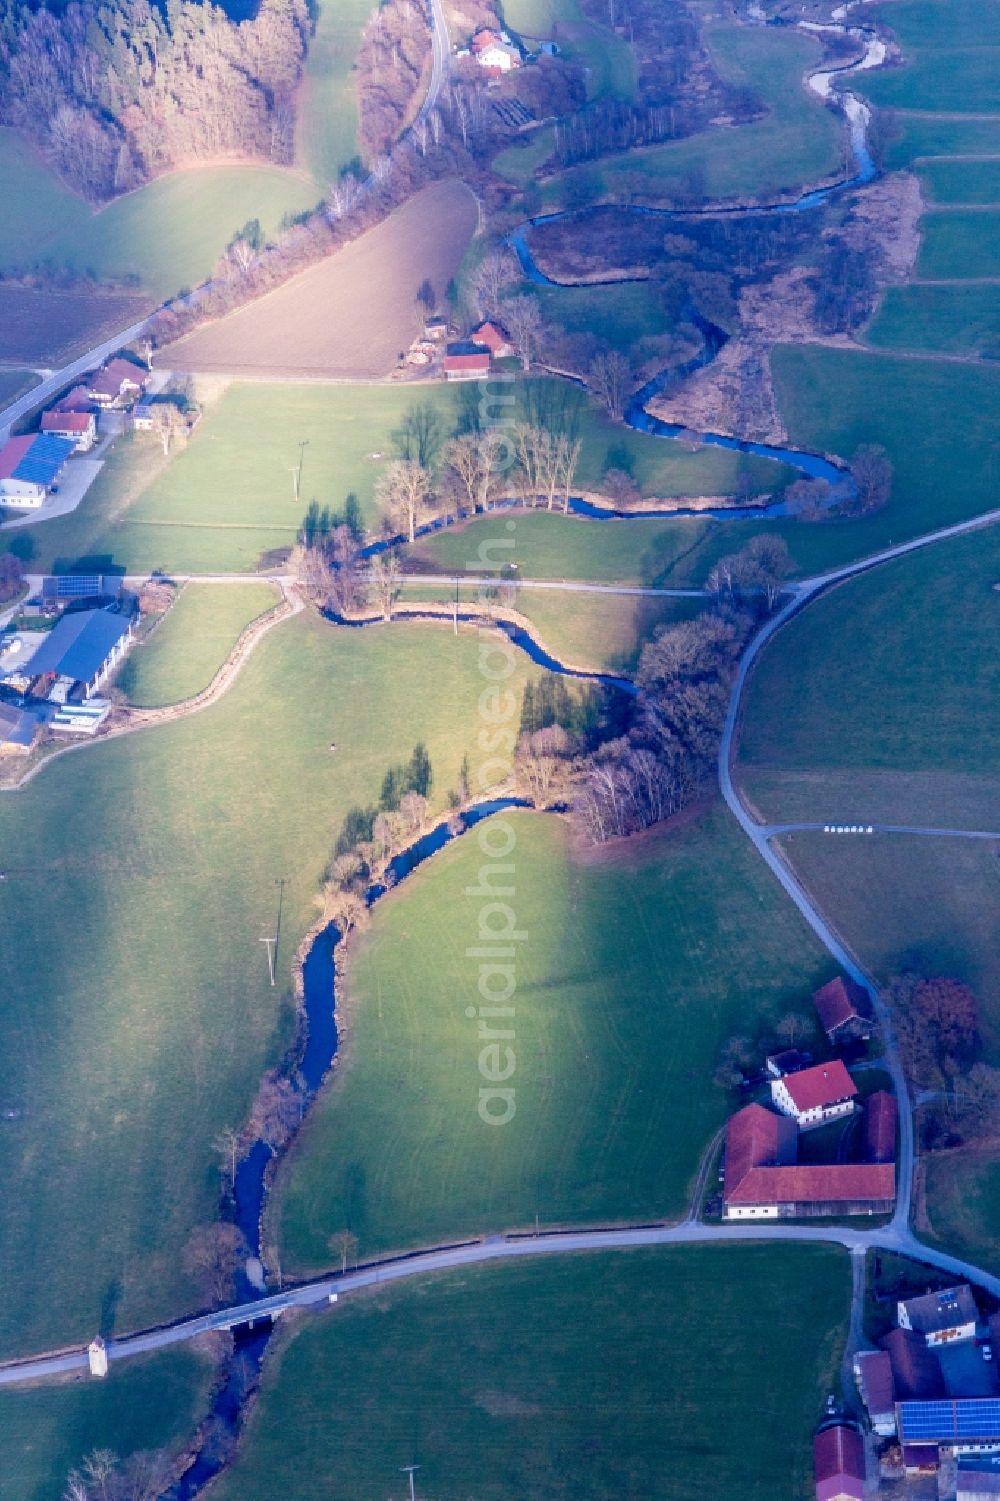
[
  {"x": 568, "y": 586},
  {"x": 55, "y": 382},
  {"x": 801, "y": 595},
  {"x": 775, "y": 830},
  {"x": 317, "y": 1294}
]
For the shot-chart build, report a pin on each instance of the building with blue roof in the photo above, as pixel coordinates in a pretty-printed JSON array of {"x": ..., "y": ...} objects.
[
  {"x": 962, "y": 1424},
  {"x": 30, "y": 466},
  {"x": 81, "y": 650}
]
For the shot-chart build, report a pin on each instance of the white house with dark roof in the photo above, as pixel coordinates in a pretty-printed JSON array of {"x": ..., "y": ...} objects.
[{"x": 947, "y": 1317}]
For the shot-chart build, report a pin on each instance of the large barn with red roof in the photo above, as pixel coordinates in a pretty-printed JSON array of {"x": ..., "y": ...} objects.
[{"x": 763, "y": 1179}]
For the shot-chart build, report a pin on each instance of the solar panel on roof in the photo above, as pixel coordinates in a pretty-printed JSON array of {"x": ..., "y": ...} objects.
[{"x": 967, "y": 1418}]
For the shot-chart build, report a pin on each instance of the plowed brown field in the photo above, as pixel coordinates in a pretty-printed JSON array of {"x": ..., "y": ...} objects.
[
  {"x": 352, "y": 314},
  {"x": 42, "y": 327}
]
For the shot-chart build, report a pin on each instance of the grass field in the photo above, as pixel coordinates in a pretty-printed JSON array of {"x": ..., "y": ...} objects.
[
  {"x": 903, "y": 902},
  {"x": 945, "y": 320},
  {"x": 599, "y": 632},
  {"x": 960, "y": 242},
  {"x": 936, "y": 421},
  {"x": 520, "y": 161},
  {"x": 326, "y": 127},
  {"x": 962, "y": 1196},
  {"x": 552, "y": 546},
  {"x": 14, "y": 383},
  {"x": 950, "y": 57},
  {"x": 620, "y": 315},
  {"x": 149, "y": 1403},
  {"x": 137, "y": 1014},
  {"x": 189, "y": 646},
  {"x": 922, "y": 137},
  {"x": 366, "y": 293},
  {"x": 949, "y": 180},
  {"x": 597, "y": 1377},
  {"x": 228, "y": 497},
  {"x": 164, "y": 236},
  {"x": 47, "y": 328},
  {"x": 797, "y": 142},
  {"x": 913, "y": 638},
  {"x": 607, "y": 57},
  {"x": 633, "y": 971}
]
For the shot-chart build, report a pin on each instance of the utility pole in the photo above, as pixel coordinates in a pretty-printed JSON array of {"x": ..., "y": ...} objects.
[
  {"x": 408, "y": 1470},
  {"x": 297, "y": 470}
]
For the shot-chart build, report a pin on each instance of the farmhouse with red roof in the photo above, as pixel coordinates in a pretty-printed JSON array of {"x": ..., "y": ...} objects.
[
  {"x": 764, "y": 1180},
  {"x": 495, "y": 337},
  {"x": 844, "y": 1009},
  {"x": 815, "y": 1095},
  {"x": 466, "y": 361},
  {"x": 80, "y": 426}
]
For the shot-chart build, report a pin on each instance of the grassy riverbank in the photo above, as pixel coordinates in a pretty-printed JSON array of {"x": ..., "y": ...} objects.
[
  {"x": 635, "y": 968},
  {"x": 153, "y": 1402},
  {"x": 637, "y": 1373},
  {"x": 137, "y": 1015}
]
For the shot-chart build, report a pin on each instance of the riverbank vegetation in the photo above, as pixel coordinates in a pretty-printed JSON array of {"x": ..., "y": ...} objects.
[
  {"x": 144, "y": 1407},
  {"x": 189, "y": 644},
  {"x": 229, "y": 496},
  {"x": 605, "y": 1128},
  {"x": 138, "y": 1017},
  {"x": 595, "y": 1372}
]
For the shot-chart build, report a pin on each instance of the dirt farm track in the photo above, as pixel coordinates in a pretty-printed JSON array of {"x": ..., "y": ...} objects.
[{"x": 351, "y": 314}]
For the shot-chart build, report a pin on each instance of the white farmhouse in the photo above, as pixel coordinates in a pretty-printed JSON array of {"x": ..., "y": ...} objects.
[{"x": 815, "y": 1095}]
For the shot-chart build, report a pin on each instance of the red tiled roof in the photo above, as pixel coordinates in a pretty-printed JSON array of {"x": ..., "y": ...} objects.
[
  {"x": 842, "y": 1000},
  {"x": 755, "y": 1137},
  {"x": 816, "y": 1183},
  {"x": 493, "y": 335},
  {"x": 824, "y": 1084},
  {"x": 875, "y": 1374},
  {"x": 467, "y": 361},
  {"x": 13, "y": 452},
  {"x": 66, "y": 422},
  {"x": 486, "y": 38},
  {"x": 880, "y": 1127},
  {"x": 839, "y": 1451}
]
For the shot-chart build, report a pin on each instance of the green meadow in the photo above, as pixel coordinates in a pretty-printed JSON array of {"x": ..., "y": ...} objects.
[
  {"x": 14, "y": 383},
  {"x": 797, "y": 142},
  {"x": 597, "y": 1376},
  {"x": 152, "y": 1402},
  {"x": 634, "y": 968},
  {"x": 950, "y": 57},
  {"x": 138, "y": 1018},
  {"x": 950, "y": 180},
  {"x": 228, "y": 497},
  {"x": 961, "y": 1204},
  {"x": 938, "y": 319},
  {"x": 190, "y": 643},
  {"x": 164, "y": 236},
  {"x": 918, "y": 137},
  {"x": 960, "y": 242},
  {"x": 326, "y": 127},
  {"x": 935, "y": 420},
  {"x": 914, "y": 639},
  {"x": 619, "y": 315}
]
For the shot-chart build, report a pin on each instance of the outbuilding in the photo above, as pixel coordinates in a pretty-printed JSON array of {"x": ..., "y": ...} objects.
[
  {"x": 29, "y": 468},
  {"x": 79, "y": 427},
  {"x": 839, "y": 1463},
  {"x": 78, "y": 654},
  {"x": 466, "y": 361},
  {"x": 845, "y": 1010}
]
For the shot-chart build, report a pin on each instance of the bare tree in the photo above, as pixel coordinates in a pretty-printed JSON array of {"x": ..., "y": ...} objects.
[
  {"x": 495, "y": 273},
  {"x": 343, "y": 1245},
  {"x": 227, "y": 1144},
  {"x": 169, "y": 423},
  {"x": 404, "y": 490},
  {"x": 384, "y": 575},
  {"x": 871, "y": 468},
  {"x": 213, "y": 1256},
  {"x": 523, "y": 320},
  {"x": 610, "y": 379}
]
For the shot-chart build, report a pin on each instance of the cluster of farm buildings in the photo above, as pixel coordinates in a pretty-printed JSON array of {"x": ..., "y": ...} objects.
[
  {"x": 470, "y": 358},
  {"x": 32, "y": 465},
  {"x": 51, "y": 679},
  {"x": 763, "y": 1177},
  {"x": 932, "y": 1395}
]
